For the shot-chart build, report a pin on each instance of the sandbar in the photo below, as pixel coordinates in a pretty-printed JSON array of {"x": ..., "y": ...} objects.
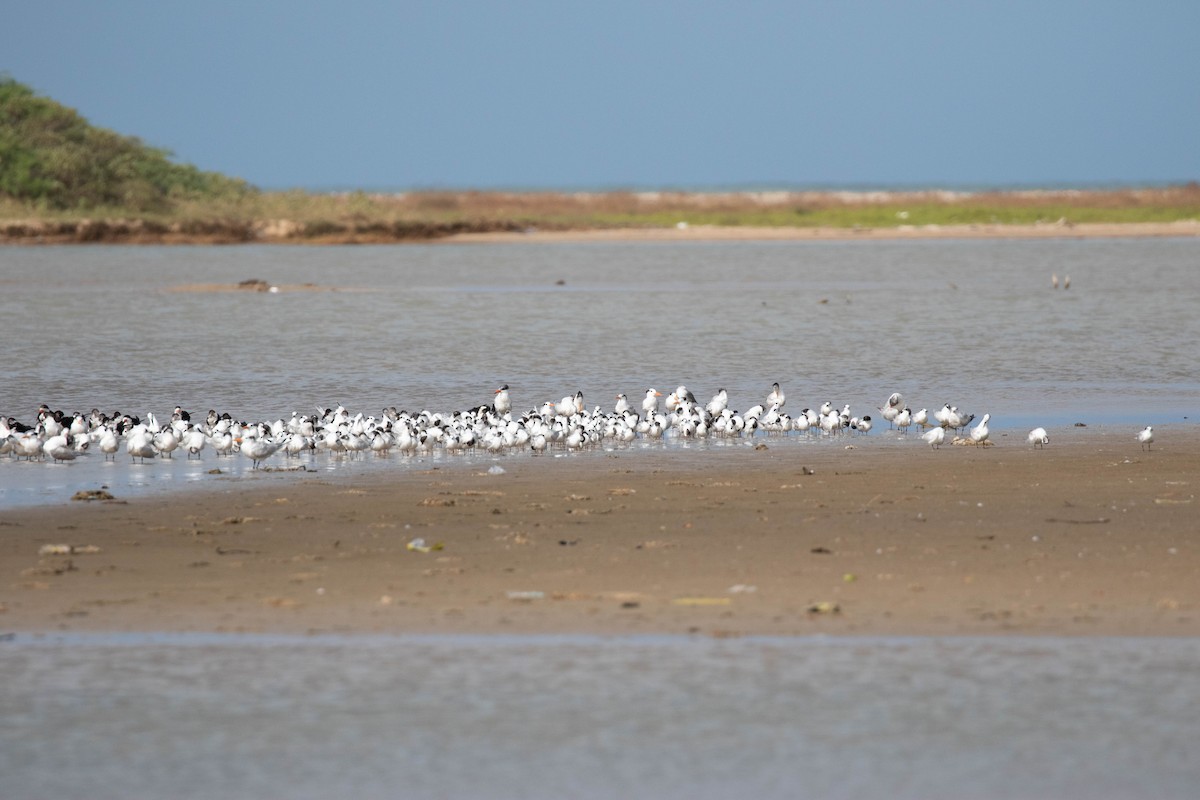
[{"x": 1092, "y": 537}]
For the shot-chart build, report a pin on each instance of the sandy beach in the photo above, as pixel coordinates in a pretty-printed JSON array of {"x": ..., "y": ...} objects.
[
  {"x": 1088, "y": 537},
  {"x": 282, "y": 231},
  {"x": 718, "y": 233}
]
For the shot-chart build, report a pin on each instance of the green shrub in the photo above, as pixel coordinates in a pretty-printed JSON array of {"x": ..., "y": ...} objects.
[{"x": 52, "y": 158}]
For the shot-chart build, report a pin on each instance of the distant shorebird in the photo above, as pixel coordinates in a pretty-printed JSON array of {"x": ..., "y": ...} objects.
[
  {"x": 1038, "y": 437},
  {"x": 1146, "y": 437},
  {"x": 979, "y": 433},
  {"x": 502, "y": 403},
  {"x": 776, "y": 397},
  {"x": 935, "y": 437}
]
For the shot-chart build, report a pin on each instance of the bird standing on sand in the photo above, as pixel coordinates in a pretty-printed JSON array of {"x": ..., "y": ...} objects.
[
  {"x": 1038, "y": 437},
  {"x": 1146, "y": 437},
  {"x": 979, "y": 433},
  {"x": 935, "y": 437}
]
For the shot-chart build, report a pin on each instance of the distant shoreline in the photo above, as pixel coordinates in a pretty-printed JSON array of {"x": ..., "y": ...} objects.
[
  {"x": 748, "y": 233},
  {"x": 136, "y": 232}
]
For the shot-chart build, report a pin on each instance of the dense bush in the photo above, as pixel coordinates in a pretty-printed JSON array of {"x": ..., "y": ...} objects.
[{"x": 52, "y": 157}]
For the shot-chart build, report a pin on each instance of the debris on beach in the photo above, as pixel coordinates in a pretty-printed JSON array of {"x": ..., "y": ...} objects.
[
  {"x": 92, "y": 494},
  {"x": 67, "y": 549},
  {"x": 825, "y": 607},
  {"x": 963, "y": 440},
  {"x": 701, "y": 601},
  {"x": 443, "y": 502},
  {"x": 525, "y": 596},
  {"x": 418, "y": 546}
]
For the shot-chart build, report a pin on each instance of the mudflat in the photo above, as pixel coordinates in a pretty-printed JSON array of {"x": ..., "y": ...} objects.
[
  {"x": 736, "y": 233},
  {"x": 1092, "y": 536}
]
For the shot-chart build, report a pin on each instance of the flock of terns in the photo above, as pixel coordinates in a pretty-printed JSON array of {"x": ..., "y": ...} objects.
[{"x": 494, "y": 427}]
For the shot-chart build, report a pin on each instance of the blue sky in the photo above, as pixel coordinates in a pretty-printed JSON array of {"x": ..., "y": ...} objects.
[{"x": 546, "y": 95}]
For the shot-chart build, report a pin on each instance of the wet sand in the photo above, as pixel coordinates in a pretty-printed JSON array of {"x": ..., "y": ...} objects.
[
  {"x": 36, "y": 232},
  {"x": 1089, "y": 538},
  {"x": 718, "y": 233}
]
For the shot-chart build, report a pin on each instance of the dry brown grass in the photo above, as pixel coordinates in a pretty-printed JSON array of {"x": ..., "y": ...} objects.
[{"x": 382, "y": 217}]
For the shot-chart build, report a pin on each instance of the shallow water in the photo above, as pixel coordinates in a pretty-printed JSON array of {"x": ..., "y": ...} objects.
[
  {"x": 973, "y": 323},
  {"x": 666, "y": 717},
  {"x": 440, "y": 326}
]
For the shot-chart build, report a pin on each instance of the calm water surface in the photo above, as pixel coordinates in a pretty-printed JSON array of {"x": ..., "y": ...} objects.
[
  {"x": 204, "y": 716},
  {"x": 974, "y": 323},
  {"x": 510, "y": 717}
]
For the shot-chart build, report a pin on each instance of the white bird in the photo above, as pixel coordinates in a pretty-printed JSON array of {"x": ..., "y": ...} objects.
[
  {"x": 502, "y": 403},
  {"x": 258, "y": 449},
  {"x": 776, "y": 397},
  {"x": 1146, "y": 437},
  {"x": 979, "y": 433},
  {"x": 622, "y": 405},
  {"x": 678, "y": 397},
  {"x": 108, "y": 443},
  {"x": 139, "y": 443},
  {"x": 28, "y": 445},
  {"x": 59, "y": 448},
  {"x": 166, "y": 441},
  {"x": 904, "y": 419},
  {"x": 958, "y": 420},
  {"x": 1038, "y": 437},
  {"x": 719, "y": 403},
  {"x": 570, "y": 405},
  {"x": 942, "y": 416},
  {"x": 650, "y": 402},
  {"x": 222, "y": 442},
  {"x": 193, "y": 441},
  {"x": 296, "y": 443},
  {"x": 921, "y": 419},
  {"x": 935, "y": 437}
]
